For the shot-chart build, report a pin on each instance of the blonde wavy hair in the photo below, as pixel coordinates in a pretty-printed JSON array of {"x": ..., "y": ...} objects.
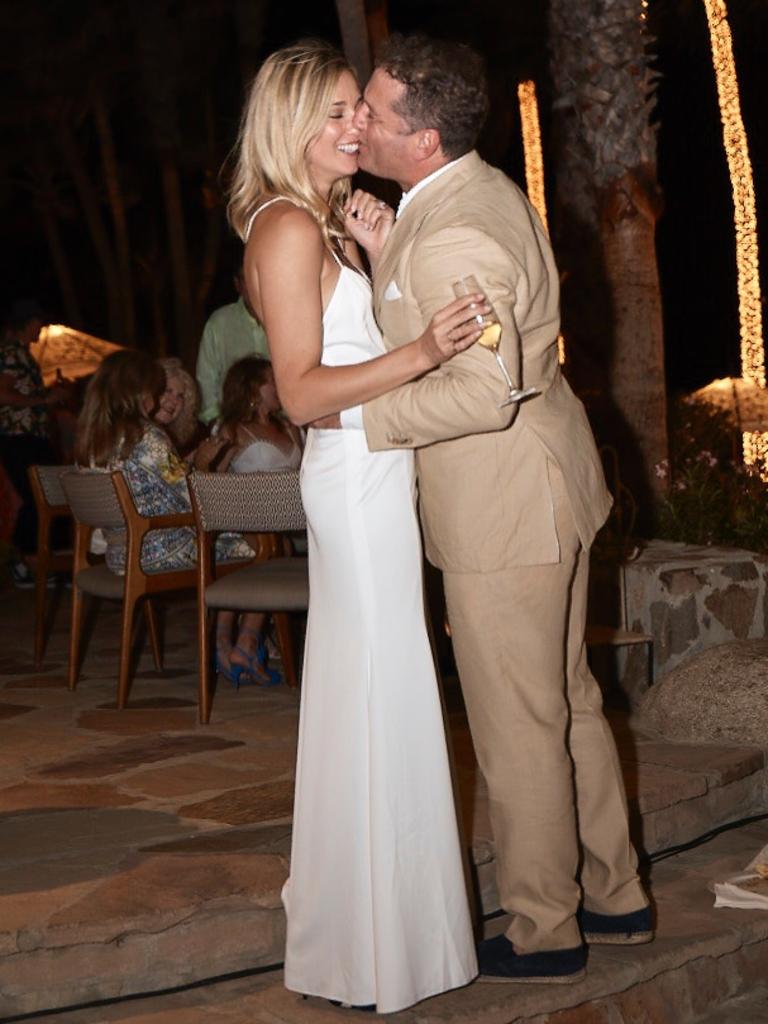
[
  {"x": 183, "y": 429},
  {"x": 287, "y": 106}
]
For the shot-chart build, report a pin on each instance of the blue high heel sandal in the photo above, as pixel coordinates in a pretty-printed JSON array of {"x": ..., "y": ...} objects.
[
  {"x": 258, "y": 671},
  {"x": 234, "y": 674}
]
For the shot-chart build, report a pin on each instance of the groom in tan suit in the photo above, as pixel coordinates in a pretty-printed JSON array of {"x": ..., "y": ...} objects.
[{"x": 511, "y": 499}]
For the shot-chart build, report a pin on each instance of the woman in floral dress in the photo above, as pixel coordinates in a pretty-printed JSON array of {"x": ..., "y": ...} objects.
[{"x": 116, "y": 431}]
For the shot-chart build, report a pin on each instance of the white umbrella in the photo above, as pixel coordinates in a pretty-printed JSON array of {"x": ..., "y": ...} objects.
[
  {"x": 742, "y": 398},
  {"x": 72, "y": 352}
]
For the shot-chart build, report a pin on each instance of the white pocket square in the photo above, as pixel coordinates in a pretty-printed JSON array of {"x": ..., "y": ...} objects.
[{"x": 392, "y": 292}]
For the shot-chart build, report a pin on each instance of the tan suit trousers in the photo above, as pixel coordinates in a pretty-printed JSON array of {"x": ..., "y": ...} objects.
[{"x": 557, "y": 803}]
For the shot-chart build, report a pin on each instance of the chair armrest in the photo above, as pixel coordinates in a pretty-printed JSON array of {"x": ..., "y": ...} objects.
[
  {"x": 167, "y": 521},
  {"x": 138, "y": 523}
]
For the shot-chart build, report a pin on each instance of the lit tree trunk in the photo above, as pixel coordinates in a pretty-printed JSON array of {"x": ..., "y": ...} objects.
[
  {"x": 378, "y": 23},
  {"x": 117, "y": 206},
  {"x": 606, "y": 206},
  {"x": 354, "y": 35}
]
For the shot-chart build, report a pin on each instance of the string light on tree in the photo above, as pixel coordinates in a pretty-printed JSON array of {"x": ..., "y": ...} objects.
[
  {"x": 534, "y": 162},
  {"x": 745, "y": 218}
]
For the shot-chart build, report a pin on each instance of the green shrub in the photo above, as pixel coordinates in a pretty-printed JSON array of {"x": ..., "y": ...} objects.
[{"x": 712, "y": 498}]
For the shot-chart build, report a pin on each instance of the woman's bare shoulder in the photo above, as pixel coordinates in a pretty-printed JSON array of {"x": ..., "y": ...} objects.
[
  {"x": 248, "y": 433},
  {"x": 286, "y": 226}
]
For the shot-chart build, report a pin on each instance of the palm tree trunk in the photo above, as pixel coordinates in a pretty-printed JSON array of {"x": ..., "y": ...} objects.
[
  {"x": 354, "y": 36},
  {"x": 605, "y": 211},
  {"x": 378, "y": 22}
]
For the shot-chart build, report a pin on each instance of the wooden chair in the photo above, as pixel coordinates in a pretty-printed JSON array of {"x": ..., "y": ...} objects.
[
  {"x": 248, "y": 503},
  {"x": 104, "y": 500},
  {"x": 51, "y": 505}
]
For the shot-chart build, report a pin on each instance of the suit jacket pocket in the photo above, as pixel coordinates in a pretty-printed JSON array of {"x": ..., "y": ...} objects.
[
  {"x": 392, "y": 292},
  {"x": 486, "y": 503}
]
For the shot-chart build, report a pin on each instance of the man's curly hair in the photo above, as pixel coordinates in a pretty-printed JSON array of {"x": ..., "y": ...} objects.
[{"x": 445, "y": 88}]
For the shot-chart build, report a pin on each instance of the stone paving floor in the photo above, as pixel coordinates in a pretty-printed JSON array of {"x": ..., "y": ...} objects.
[
  {"x": 705, "y": 965},
  {"x": 141, "y": 851}
]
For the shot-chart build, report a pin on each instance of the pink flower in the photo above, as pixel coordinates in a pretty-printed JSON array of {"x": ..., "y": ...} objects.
[{"x": 661, "y": 469}]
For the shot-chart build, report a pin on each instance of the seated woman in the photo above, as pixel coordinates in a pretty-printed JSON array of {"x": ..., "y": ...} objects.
[
  {"x": 178, "y": 408},
  {"x": 251, "y": 438},
  {"x": 116, "y": 432}
]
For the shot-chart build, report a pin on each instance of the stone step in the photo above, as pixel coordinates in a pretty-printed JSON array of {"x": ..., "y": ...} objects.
[
  {"x": 705, "y": 965},
  {"x": 676, "y": 793},
  {"x": 143, "y": 852},
  {"x": 140, "y": 898},
  {"x": 748, "y": 1009}
]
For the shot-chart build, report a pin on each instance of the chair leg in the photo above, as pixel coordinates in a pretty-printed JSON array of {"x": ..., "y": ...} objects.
[
  {"x": 151, "y": 617},
  {"x": 75, "y": 632},
  {"x": 285, "y": 640},
  {"x": 204, "y": 696},
  {"x": 126, "y": 635},
  {"x": 41, "y": 575}
]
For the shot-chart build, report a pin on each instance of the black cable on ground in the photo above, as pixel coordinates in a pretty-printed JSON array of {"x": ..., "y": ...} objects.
[
  {"x": 670, "y": 851},
  {"x": 135, "y": 996}
]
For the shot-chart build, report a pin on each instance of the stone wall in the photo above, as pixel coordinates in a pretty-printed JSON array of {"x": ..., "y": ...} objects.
[{"x": 690, "y": 598}]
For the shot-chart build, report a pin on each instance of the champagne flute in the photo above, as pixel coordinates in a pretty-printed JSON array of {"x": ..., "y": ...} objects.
[{"x": 491, "y": 337}]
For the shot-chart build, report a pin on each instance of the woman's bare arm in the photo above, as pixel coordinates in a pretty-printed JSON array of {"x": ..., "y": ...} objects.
[{"x": 283, "y": 267}]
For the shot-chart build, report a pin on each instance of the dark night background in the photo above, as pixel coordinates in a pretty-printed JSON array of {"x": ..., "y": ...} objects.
[{"x": 56, "y": 51}]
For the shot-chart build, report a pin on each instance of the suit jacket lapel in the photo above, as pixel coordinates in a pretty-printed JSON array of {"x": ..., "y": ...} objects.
[{"x": 410, "y": 222}]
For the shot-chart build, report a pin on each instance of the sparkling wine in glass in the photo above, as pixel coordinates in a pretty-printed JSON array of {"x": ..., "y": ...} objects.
[{"x": 491, "y": 337}]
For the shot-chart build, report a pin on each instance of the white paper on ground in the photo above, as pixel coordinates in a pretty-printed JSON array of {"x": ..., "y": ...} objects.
[{"x": 748, "y": 891}]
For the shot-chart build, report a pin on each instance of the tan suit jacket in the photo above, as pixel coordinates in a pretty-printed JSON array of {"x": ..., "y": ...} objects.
[{"x": 483, "y": 477}]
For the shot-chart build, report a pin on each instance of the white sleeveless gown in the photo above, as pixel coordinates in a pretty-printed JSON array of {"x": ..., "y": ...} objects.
[{"x": 376, "y": 901}]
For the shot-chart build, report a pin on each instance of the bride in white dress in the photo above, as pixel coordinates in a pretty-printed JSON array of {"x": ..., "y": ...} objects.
[{"x": 376, "y": 902}]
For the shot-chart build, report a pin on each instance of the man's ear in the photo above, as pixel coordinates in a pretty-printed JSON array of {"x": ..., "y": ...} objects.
[{"x": 428, "y": 143}]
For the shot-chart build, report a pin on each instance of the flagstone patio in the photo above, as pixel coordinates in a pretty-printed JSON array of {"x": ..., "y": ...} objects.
[{"x": 141, "y": 851}]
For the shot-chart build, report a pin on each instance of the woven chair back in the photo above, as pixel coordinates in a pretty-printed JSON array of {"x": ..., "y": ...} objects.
[
  {"x": 92, "y": 498},
  {"x": 50, "y": 482},
  {"x": 248, "y": 502}
]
